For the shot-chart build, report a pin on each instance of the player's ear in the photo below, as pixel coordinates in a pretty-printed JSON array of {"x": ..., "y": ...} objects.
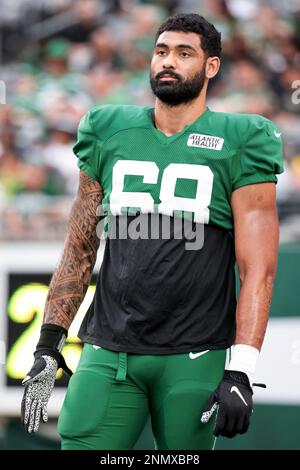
[{"x": 212, "y": 66}]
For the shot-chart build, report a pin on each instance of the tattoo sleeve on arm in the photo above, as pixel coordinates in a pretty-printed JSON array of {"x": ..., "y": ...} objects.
[{"x": 72, "y": 276}]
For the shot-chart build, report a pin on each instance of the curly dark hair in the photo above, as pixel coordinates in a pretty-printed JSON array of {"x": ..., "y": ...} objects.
[{"x": 194, "y": 23}]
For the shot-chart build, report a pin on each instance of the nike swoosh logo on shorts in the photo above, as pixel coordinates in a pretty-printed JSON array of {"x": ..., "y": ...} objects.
[
  {"x": 195, "y": 355},
  {"x": 236, "y": 390},
  {"x": 277, "y": 134}
]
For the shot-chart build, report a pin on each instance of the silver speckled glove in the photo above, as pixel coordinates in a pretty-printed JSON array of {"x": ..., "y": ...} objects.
[
  {"x": 39, "y": 384},
  {"x": 39, "y": 381}
]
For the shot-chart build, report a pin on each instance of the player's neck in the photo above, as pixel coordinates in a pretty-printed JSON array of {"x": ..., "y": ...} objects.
[{"x": 172, "y": 119}]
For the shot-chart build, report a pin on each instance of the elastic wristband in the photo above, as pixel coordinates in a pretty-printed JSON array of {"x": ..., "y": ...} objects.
[
  {"x": 244, "y": 359},
  {"x": 52, "y": 337}
]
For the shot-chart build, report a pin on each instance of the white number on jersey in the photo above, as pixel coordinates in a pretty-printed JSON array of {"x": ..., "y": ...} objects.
[{"x": 169, "y": 202}]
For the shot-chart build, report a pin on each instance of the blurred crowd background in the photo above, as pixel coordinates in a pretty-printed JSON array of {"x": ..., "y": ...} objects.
[{"x": 60, "y": 57}]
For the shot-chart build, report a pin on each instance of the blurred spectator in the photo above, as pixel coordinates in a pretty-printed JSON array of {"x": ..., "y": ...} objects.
[
  {"x": 57, "y": 154},
  {"x": 105, "y": 48},
  {"x": 87, "y": 17}
]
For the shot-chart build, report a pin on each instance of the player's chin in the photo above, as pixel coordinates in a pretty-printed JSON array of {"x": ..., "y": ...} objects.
[{"x": 169, "y": 90}]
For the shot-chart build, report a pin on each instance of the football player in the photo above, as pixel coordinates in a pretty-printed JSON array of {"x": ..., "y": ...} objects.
[{"x": 163, "y": 318}]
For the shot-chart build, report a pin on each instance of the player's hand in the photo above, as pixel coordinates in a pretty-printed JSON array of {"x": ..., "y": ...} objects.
[
  {"x": 233, "y": 401},
  {"x": 39, "y": 381},
  {"x": 38, "y": 384}
]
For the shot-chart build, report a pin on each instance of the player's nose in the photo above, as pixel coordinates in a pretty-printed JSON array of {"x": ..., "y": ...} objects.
[{"x": 169, "y": 62}]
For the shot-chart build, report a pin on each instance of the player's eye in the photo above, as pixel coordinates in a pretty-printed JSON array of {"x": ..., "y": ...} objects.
[
  {"x": 161, "y": 52},
  {"x": 184, "y": 54}
]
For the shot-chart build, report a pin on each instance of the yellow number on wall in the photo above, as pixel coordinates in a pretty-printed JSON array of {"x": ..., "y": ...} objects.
[{"x": 27, "y": 305}]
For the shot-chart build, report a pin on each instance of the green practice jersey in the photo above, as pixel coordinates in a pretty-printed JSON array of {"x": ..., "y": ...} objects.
[
  {"x": 153, "y": 295},
  {"x": 192, "y": 172}
]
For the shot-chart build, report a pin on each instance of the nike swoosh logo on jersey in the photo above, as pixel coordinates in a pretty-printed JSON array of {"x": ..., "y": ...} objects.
[
  {"x": 195, "y": 355},
  {"x": 236, "y": 390},
  {"x": 96, "y": 347},
  {"x": 277, "y": 134}
]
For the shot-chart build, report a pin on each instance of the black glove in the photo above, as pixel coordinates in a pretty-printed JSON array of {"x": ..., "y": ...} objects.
[
  {"x": 233, "y": 398},
  {"x": 39, "y": 381}
]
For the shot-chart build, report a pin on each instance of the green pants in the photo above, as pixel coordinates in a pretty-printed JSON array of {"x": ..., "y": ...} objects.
[{"x": 111, "y": 395}]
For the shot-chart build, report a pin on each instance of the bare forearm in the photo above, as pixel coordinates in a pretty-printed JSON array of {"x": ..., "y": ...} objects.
[
  {"x": 253, "y": 309},
  {"x": 73, "y": 273}
]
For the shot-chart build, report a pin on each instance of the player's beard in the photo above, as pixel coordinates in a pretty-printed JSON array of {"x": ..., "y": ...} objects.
[{"x": 179, "y": 91}]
